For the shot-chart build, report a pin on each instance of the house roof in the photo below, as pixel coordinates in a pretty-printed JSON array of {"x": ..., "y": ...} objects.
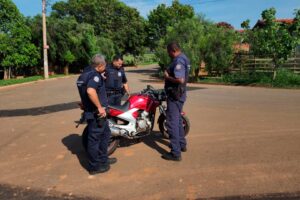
[
  {"x": 260, "y": 23},
  {"x": 240, "y": 30}
]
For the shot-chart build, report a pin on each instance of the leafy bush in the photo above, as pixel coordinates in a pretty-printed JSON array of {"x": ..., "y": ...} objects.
[
  {"x": 147, "y": 58},
  {"x": 248, "y": 78},
  {"x": 218, "y": 50},
  {"x": 129, "y": 60},
  {"x": 284, "y": 78}
]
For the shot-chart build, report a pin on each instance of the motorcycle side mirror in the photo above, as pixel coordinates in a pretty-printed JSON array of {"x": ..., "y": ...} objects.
[{"x": 149, "y": 87}]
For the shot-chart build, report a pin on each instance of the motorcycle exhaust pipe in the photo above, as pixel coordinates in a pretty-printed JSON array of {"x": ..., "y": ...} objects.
[{"x": 115, "y": 131}]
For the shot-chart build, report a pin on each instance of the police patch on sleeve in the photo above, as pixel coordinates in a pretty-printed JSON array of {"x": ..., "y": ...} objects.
[
  {"x": 96, "y": 79},
  {"x": 178, "y": 67}
]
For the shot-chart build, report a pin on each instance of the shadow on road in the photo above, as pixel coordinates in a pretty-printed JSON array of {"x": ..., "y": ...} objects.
[
  {"x": 153, "y": 72},
  {"x": 271, "y": 196},
  {"x": 11, "y": 192},
  {"x": 190, "y": 88},
  {"x": 73, "y": 142},
  {"x": 154, "y": 139},
  {"x": 151, "y": 141},
  {"x": 39, "y": 110},
  {"x": 74, "y": 145}
]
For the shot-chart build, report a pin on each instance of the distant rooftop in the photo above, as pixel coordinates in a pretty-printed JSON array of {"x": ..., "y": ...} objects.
[{"x": 261, "y": 23}]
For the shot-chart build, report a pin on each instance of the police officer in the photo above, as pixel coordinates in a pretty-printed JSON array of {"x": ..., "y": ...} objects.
[
  {"x": 176, "y": 77},
  {"x": 116, "y": 81},
  {"x": 91, "y": 88}
]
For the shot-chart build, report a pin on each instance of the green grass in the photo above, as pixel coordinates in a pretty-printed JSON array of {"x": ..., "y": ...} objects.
[
  {"x": 284, "y": 79},
  {"x": 146, "y": 59},
  {"x": 147, "y": 63},
  {"x": 211, "y": 80},
  {"x": 25, "y": 80}
]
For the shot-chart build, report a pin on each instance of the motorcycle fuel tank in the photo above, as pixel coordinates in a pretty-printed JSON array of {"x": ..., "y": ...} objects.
[{"x": 142, "y": 102}]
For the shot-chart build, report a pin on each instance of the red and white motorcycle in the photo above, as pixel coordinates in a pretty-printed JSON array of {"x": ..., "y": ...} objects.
[{"x": 135, "y": 118}]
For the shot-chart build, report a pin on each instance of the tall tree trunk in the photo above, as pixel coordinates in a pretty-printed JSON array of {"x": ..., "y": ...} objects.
[
  {"x": 9, "y": 72},
  {"x": 274, "y": 70},
  {"x": 5, "y": 74},
  {"x": 274, "y": 74},
  {"x": 196, "y": 73},
  {"x": 66, "y": 69}
]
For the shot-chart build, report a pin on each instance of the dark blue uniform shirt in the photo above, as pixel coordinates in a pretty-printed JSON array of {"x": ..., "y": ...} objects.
[
  {"x": 179, "y": 68},
  {"x": 87, "y": 69},
  {"x": 92, "y": 79},
  {"x": 115, "y": 78}
]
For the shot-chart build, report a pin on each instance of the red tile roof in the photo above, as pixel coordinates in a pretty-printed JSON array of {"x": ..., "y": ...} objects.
[
  {"x": 261, "y": 23},
  {"x": 240, "y": 30}
]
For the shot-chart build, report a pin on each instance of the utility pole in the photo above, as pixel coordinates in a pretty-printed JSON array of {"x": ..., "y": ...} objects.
[{"x": 45, "y": 46}]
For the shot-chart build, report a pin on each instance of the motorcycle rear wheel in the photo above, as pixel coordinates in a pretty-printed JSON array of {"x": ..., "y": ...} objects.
[
  {"x": 163, "y": 129},
  {"x": 112, "y": 145}
]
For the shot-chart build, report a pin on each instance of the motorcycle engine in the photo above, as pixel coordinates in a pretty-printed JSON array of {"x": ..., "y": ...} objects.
[{"x": 143, "y": 122}]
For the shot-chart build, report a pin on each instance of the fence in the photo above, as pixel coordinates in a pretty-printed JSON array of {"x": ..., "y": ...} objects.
[{"x": 249, "y": 63}]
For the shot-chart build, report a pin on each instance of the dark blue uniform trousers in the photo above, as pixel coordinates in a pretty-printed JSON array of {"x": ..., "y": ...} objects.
[
  {"x": 115, "y": 99},
  {"x": 98, "y": 139},
  {"x": 174, "y": 126}
]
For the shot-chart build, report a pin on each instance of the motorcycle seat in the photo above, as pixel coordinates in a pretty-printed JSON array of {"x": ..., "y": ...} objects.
[{"x": 123, "y": 107}]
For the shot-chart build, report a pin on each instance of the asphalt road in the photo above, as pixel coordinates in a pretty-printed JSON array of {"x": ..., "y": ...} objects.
[{"x": 244, "y": 143}]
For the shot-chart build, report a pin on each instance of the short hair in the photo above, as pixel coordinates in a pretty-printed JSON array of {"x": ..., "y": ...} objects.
[
  {"x": 173, "y": 46},
  {"x": 98, "y": 59},
  {"x": 117, "y": 57}
]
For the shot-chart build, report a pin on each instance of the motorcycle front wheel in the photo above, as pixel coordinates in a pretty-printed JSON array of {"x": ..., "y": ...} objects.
[
  {"x": 163, "y": 128},
  {"x": 112, "y": 144}
]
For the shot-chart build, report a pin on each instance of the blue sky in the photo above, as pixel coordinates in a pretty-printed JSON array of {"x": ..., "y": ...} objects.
[{"x": 231, "y": 11}]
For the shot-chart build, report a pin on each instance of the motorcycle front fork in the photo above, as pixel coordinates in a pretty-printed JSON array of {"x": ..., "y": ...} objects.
[{"x": 162, "y": 109}]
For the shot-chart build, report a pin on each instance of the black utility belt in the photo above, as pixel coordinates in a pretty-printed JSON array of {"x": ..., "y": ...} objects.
[
  {"x": 109, "y": 92},
  {"x": 175, "y": 92}
]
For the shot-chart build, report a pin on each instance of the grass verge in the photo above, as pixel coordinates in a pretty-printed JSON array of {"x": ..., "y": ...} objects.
[
  {"x": 284, "y": 79},
  {"x": 25, "y": 80}
]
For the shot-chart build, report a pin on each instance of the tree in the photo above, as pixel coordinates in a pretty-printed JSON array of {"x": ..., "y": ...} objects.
[
  {"x": 275, "y": 40},
  {"x": 74, "y": 43},
  {"x": 162, "y": 17},
  {"x": 71, "y": 46},
  {"x": 219, "y": 49},
  {"x": 204, "y": 42},
  {"x": 105, "y": 47},
  {"x": 225, "y": 25},
  {"x": 8, "y": 14},
  {"x": 111, "y": 19},
  {"x": 190, "y": 41},
  {"x": 16, "y": 49},
  {"x": 35, "y": 26}
]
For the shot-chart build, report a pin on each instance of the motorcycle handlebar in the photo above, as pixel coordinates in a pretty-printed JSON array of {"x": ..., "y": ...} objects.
[{"x": 157, "y": 94}]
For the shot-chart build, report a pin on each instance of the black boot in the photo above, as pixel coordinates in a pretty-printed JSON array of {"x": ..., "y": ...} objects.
[
  {"x": 183, "y": 149},
  {"x": 170, "y": 156},
  {"x": 112, "y": 160},
  {"x": 103, "y": 168}
]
